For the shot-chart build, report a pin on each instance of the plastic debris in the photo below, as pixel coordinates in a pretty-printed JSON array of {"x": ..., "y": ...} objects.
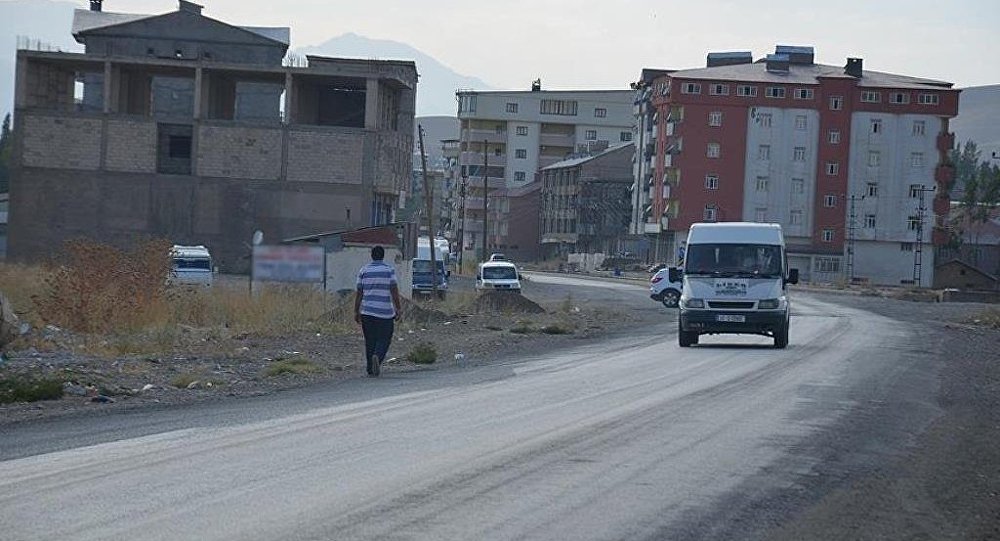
[
  {"x": 101, "y": 399},
  {"x": 148, "y": 387},
  {"x": 459, "y": 356}
]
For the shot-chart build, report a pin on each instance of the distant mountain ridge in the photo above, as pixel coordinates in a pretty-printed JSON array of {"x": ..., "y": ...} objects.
[
  {"x": 437, "y": 85},
  {"x": 979, "y": 118}
]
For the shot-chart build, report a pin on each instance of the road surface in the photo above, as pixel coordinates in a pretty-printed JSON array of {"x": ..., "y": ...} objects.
[{"x": 632, "y": 438}]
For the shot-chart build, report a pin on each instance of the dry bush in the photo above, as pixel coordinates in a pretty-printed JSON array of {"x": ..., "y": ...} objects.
[
  {"x": 20, "y": 283},
  {"x": 98, "y": 288}
]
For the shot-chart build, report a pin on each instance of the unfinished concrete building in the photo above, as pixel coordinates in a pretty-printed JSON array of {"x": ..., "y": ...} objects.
[{"x": 184, "y": 127}]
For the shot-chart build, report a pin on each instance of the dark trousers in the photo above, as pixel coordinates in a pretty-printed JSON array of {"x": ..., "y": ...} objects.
[{"x": 378, "y": 336}]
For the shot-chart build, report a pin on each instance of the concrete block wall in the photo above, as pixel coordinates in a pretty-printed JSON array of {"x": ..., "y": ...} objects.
[
  {"x": 315, "y": 156},
  {"x": 62, "y": 142},
  {"x": 239, "y": 152},
  {"x": 393, "y": 159},
  {"x": 131, "y": 146}
]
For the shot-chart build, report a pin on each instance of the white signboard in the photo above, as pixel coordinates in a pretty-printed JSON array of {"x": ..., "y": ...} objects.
[{"x": 288, "y": 263}]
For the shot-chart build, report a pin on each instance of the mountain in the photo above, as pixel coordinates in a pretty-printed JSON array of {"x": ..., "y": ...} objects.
[
  {"x": 48, "y": 22},
  {"x": 979, "y": 118},
  {"x": 437, "y": 85}
]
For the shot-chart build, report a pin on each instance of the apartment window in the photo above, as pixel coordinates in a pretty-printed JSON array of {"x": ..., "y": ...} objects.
[
  {"x": 600, "y": 112},
  {"x": 869, "y": 221},
  {"x": 501, "y": 129},
  {"x": 829, "y": 200},
  {"x": 521, "y": 154},
  {"x": 691, "y": 88},
  {"x": 774, "y": 92},
  {"x": 746, "y": 91},
  {"x": 827, "y": 264},
  {"x": 710, "y": 213},
  {"x": 913, "y": 223},
  {"x": 498, "y": 151},
  {"x": 832, "y": 169},
  {"x": 803, "y": 93},
  {"x": 591, "y": 135},
  {"x": 799, "y": 155},
  {"x": 520, "y": 176},
  {"x": 836, "y": 103},
  {"x": 876, "y": 125},
  {"x": 795, "y": 217},
  {"x": 718, "y": 90},
  {"x": 916, "y": 159},
  {"x": 511, "y": 107},
  {"x": 715, "y": 118},
  {"x": 467, "y": 104},
  {"x": 874, "y": 158},
  {"x": 764, "y": 152},
  {"x": 870, "y": 96},
  {"x": 760, "y": 215},
  {"x": 763, "y": 183},
  {"x": 833, "y": 137},
  {"x": 521, "y": 130},
  {"x": 713, "y": 150},
  {"x": 800, "y": 122},
  {"x": 764, "y": 119},
  {"x": 872, "y": 189},
  {"x": 928, "y": 99},
  {"x": 905, "y": 246},
  {"x": 899, "y": 98},
  {"x": 558, "y": 107},
  {"x": 625, "y": 136},
  {"x": 915, "y": 190},
  {"x": 827, "y": 235},
  {"x": 919, "y": 127},
  {"x": 711, "y": 182},
  {"x": 798, "y": 185}
]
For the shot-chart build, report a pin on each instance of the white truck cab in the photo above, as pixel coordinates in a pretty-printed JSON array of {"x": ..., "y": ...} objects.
[
  {"x": 191, "y": 265},
  {"x": 498, "y": 275},
  {"x": 735, "y": 279}
]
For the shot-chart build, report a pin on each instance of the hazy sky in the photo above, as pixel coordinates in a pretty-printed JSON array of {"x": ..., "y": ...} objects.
[{"x": 604, "y": 43}]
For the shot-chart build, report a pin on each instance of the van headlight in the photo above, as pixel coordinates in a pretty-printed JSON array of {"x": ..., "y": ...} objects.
[
  {"x": 692, "y": 303},
  {"x": 770, "y": 304}
]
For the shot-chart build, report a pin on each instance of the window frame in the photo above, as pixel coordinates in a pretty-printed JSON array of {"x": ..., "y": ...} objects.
[
  {"x": 717, "y": 150},
  {"x": 774, "y": 92}
]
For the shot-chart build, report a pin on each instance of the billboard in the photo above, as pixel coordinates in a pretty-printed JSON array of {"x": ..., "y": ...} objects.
[{"x": 289, "y": 263}]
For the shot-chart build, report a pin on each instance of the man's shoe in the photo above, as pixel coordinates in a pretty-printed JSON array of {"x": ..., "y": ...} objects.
[{"x": 376, "y": 366}]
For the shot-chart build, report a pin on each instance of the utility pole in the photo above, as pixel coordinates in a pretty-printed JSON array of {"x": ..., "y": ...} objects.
[
  {"x": 918, "y": 251},
  {"x": 486, "y": 193},
  {"x": 429, "y": 199},
  {"x": 461, "y": 226},
  {"x": 851, "y": 230}
]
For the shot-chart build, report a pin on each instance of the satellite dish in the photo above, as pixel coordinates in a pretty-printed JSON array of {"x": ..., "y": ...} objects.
[{"x": 258, "y": 237}]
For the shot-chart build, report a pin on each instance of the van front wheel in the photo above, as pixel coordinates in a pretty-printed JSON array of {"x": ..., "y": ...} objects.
[
  {"x": 781, "y": 337},
  {"x": 686, "y": 338}
]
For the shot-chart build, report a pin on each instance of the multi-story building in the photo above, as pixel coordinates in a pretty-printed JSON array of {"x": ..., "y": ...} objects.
[
  {"x": 846, "y": 160},
  {"x": 506, "y": 137},
  {"x": 185, "y": 127},
  {"x": 657, "y": 240},
  {"x": 585, "y": 203}
]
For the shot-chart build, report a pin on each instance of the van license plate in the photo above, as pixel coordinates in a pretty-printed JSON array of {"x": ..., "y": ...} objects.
[{"x": 730, "y": 318}]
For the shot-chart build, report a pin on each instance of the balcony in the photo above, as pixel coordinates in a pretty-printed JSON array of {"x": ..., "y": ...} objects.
[
  {"x": 476, "y": 158},
  {"x": 939, "y": 236},
  {"x": 944, "y": 174},
  {"x": 491, "y": 136},
  {"x": 556, "y": 140},
  {"x": 941, "y": 206},
  {"x": 945, "y": 141}
]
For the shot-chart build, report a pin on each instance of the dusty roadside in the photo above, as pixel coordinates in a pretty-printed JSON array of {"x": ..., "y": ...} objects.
[{"x": 208, "y": 366}]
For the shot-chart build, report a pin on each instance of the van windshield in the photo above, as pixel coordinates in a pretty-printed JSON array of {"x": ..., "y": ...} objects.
[
  {"x": 192, "y": 263},
  {"x": 499, "y": 273},
  {"x": 743, "y": 260},
  {"x": 424, "y": 265}
]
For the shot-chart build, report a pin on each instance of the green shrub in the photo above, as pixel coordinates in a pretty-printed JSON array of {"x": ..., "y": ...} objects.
[
  {"x": 13, "y": 389},
  {"x": 556, "y": 329},
  {"x": 522, "y": 327},
  {"x": 423, "y": 353},
  {"x": 291, "y": 366}
]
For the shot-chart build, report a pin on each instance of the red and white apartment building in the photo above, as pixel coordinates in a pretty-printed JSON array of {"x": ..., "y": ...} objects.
[{"x": 852, "y": 163}]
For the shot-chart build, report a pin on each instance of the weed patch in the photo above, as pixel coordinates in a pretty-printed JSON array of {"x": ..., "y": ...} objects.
[
  {"x": 291, "y": 366},
  {"x": 423, "y": 353},
  {"x": 555, "y": 329},
  {"x": 16, "y": 389},
  {"x": 987, "y": 318},
  {"x": 522, "y": 327}
]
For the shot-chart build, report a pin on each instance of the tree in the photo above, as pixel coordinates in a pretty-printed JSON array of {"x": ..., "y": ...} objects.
[
  {"x": 966, "y": 163},
  {"x": 6, "y": 147}
]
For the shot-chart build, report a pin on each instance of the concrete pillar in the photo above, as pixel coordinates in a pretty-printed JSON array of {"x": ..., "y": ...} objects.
[
  {"x": 371, "y": 104},
  {"x": 289, "y": 102},
  {"x": 21, "y": 83},
  {"x": 199, "y": 93},
  {"x": 107, "y": 87}
]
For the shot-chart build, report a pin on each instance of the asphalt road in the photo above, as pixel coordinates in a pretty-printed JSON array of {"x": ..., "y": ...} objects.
[{"x": 632, "y": 438}]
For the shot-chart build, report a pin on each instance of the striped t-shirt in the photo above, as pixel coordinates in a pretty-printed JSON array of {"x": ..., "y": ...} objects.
[{"x": 374, "y": 283}]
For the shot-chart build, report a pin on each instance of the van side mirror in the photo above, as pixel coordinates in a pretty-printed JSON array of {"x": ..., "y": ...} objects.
[
  {"x": 447, "y": 274},
  {"x": 793, "y": 276},
  {"x": 479, "y": 277},
  {"x": 674, "y": 274}
]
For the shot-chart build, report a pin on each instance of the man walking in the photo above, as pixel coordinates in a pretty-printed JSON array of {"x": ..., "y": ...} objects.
[{"x": 376, "y": 306}]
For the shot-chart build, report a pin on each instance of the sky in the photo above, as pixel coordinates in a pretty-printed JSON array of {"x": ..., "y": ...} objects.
[{"x": 589, "y": 44}]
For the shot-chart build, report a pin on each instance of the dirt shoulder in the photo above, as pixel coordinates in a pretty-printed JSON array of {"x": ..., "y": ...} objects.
[
  {"x": 946, "y": 485},
  {"x": 209, "y": 366}
]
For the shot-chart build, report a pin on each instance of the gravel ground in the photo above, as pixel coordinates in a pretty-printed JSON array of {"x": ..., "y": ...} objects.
[
  {"x": 213, "y": 368},
  {"x": 948, "y": 485}
]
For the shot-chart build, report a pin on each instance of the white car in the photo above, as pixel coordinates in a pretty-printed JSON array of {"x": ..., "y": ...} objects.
[
  {"x": 498, "y": 275},
  {"x": 661, "y": 289}
]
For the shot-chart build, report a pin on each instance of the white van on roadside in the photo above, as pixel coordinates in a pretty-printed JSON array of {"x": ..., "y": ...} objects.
[
  {"x": 499, "y": 276},
  {"x": 735, "y": 279},
  {"x": 191, "y": 265}
]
